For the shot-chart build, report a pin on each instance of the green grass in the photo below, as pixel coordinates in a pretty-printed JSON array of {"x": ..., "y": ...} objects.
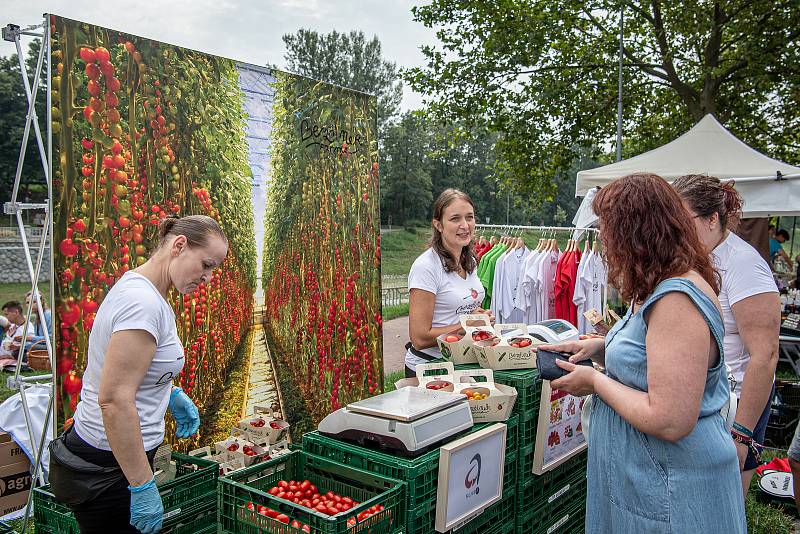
[
  {"x": 400, "y": 248},
  {"x": 17, "y": 292},
  {"x": 5, "y": 392},
  {"x": 393, "y": 312},
  {"x": 390, "y": 378}
]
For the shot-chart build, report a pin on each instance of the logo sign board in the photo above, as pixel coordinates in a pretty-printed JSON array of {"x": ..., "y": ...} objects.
[{"x": 470, "y": 476}]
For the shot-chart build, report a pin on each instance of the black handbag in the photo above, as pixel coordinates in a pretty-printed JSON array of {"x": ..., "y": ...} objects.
[{"x": 75, "y": 481}]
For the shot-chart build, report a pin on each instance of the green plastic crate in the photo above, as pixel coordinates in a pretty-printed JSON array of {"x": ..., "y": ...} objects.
[
  {"x": 193, "y": 490},
  {"x": 497, "y": 519},
  {"x": 567, "y": 519},
  {"x": 251, "y": 485},
  {"x": 6, "y": 528},
  {"x": 528, "y": 386},
  {"x": 534, "y": 490},
  {"x": 421, "y": 474}
]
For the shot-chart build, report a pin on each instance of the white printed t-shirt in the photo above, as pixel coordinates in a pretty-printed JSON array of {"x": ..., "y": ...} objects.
[
  {"x": 454, "y": 295},
  {"x": 744, "y": 274},
  {"x": 133, "y": 303}
]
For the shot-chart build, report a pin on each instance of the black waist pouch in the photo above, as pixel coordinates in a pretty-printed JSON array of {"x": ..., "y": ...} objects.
[{"x": 75, "y": 481}]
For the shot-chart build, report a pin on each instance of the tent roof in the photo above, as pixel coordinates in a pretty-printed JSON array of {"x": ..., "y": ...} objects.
[{"x": 708, "y": 148}]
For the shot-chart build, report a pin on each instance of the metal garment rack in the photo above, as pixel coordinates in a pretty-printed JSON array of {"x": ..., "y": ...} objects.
[
  {"x": 515, "y": 227},
  {"x": 14, "y": 33}
]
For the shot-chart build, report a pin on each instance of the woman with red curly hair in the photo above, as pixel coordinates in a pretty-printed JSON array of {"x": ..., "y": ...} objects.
[{"x": 660, "y": 457}]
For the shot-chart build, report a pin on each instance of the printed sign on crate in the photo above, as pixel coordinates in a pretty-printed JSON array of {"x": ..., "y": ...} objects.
[
  {"x": 559, "y": 434},
  {"x": 470, "y": 476}
]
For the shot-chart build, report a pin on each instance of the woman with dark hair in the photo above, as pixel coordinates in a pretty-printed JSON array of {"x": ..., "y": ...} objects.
[
  {"x": 443, "y": 282},
  {"x": 751, "y": 309},
  {"x": 134, "y": 353},
  {"x": 660, "y": 458}
]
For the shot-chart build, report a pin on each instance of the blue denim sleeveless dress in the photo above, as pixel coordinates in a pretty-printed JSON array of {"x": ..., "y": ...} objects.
[{"x": 640, "y": 484}]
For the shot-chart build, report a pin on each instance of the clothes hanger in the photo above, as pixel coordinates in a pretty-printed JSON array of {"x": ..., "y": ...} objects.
[{"x": 595, "y": 243}]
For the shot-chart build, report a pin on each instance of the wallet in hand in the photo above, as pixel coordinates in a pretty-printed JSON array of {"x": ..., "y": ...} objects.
[{"x": 546, "y": 363}]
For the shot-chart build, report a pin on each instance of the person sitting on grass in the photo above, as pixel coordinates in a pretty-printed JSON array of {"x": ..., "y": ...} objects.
[
  {"x": 39, "y": 331},
  {"x": 13, "y": 338}
]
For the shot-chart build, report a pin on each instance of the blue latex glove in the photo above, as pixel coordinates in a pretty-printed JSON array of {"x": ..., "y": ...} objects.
[
  {"x": 184, "y": 412},
  {"x": 147, "y": 510}
]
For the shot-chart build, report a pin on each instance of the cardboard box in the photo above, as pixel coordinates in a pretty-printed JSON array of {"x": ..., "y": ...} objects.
[
  {"x": 461, "y": 351},
  {"x": 263, "y": 428},
  {"x": 10, "y": 452},
  {"x": 238, "y": 441},
  {"x": 15, "y": 484},
  {"x": 496, "y": 407},
  {"x": 502, "y": 354}
]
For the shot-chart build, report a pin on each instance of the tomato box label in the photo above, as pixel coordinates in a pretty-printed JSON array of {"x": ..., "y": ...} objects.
[
  {"x": 10, "y": 452},
  {"x": 15, "y": 483}
]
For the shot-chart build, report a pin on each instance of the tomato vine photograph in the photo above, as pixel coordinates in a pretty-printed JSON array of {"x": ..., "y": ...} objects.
[{"x": 142, "y": 130}]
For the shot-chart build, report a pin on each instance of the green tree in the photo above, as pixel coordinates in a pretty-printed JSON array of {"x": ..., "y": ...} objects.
[
  {"x": 406, "y": 189},
  {"x": 544, "y": 75},
  {"x": 13, "y": 109},
  {"x": 348, "y": 60}
]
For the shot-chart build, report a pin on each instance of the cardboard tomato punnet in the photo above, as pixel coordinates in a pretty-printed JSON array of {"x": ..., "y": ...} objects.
[
  {"x": 263, "y": 428},
  {"x": 238, "y": 446},
  {"x": 499, "y": 403},
  {"x": 510, "y": 351},
  {"x": 496, "y": 406},
  {"x": 458, "y": 348}
]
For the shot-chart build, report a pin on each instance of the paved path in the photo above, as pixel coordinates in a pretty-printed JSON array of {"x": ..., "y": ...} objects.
[
  {"x": 261, "y": 390},
  {"x": 395, "y": 337}
]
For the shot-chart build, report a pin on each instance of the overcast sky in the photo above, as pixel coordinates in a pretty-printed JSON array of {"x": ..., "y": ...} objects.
[{"x": 240, "y": 29}]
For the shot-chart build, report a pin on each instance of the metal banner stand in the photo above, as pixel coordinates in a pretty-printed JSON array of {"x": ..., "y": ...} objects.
[{"x": 13, "y": 33}]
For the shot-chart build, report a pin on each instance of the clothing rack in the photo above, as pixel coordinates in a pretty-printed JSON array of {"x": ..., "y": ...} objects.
[
  {"x": 511, "y": 227},
  {"x": 573, "y": 229}
]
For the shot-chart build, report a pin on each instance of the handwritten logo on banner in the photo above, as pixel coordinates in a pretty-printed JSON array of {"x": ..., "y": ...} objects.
[{"x": 330, "y": 138}]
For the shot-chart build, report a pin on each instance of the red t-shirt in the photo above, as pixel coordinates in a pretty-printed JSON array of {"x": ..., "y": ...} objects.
[{"x": 566, "y": 275}]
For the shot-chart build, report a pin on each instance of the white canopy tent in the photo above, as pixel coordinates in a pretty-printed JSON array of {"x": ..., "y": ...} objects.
[{"x": 769, "y": 187}]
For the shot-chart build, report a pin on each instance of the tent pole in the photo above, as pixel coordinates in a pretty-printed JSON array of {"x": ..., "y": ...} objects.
[{"x": 619, "y": 89}]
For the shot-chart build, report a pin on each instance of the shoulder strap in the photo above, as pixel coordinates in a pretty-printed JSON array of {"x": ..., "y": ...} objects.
[{"x": 704, "y": 304}]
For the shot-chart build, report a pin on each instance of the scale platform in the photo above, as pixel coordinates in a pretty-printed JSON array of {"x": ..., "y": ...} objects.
[{"x": 409, "y": 421}]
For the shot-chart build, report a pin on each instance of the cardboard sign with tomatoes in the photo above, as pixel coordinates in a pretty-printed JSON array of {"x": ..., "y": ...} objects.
[
  {"x": 510, "y": 348},
  {"x": 458, "y": 347}
]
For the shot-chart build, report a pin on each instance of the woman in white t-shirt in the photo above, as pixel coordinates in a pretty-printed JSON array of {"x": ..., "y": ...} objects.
[
  {"x": 750, "y": 308},
  {"x": 443, "y": 282},
  {"x": 134, "y": 353}
]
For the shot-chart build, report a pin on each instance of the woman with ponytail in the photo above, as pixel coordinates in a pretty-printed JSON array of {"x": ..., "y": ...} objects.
[
  {"x": 134, "y": 354},
  {"x": 750, "y": 309}
]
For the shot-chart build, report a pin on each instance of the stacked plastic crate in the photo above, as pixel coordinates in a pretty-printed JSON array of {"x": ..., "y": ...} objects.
[{"x": 421, "y": 477}]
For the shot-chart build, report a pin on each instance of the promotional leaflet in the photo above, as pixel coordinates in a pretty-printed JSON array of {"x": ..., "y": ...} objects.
[{"x": 560, "y": 433}]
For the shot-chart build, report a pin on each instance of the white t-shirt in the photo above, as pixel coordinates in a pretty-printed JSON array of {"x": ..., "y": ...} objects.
[
  {"x": 527, "y": 287},
  {"x": 507, "y": 276},
  {"x": 546, "y": 283},
  {"x": 133, "y": 303},
  {"x": 744, "y": 274},
  {"x": 454, "y": 295},
  {"x": 589, "y": 288}
]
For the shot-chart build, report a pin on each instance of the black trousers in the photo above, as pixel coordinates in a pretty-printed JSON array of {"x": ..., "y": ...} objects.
[{"x": 111, "y": 511}]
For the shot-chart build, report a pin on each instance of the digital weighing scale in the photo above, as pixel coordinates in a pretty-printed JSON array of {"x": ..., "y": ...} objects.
[
  {"x": 409, "y": 421},
  {"x": 554, "y": 331}
]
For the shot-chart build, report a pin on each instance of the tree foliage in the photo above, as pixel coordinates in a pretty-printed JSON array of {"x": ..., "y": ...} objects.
[
  {"x": 544, "y": 75},
  {"x": 13, "y": 109},
  {"x": 348, "y": 60}
]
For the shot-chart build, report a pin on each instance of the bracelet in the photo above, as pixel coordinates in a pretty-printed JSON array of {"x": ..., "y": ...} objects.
[
  {"x": 742, "y": 429},
  {"x": 750, "y": 443}
]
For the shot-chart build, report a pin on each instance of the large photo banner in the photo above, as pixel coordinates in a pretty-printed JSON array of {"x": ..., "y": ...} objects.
[{"x": 287, "y": 165}]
